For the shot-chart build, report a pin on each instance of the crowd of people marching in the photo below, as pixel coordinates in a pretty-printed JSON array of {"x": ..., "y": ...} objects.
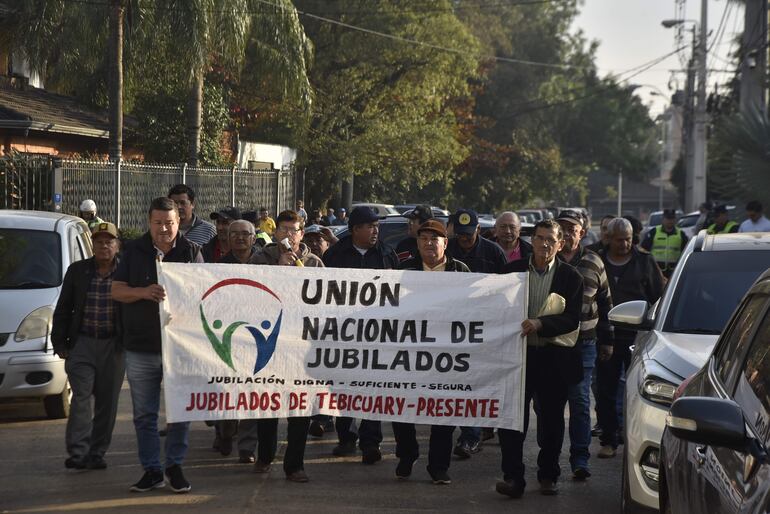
[{"x": 106, "y": 325}]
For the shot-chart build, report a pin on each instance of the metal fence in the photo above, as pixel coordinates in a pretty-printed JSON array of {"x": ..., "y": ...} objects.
[{"x": 123, "y": 191}]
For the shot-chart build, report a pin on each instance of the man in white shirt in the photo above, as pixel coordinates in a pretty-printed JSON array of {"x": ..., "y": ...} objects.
[{"x": 756, "y": 221}]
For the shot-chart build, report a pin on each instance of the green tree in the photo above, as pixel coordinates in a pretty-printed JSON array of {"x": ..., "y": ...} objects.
[{"x": 385, "y": 108}]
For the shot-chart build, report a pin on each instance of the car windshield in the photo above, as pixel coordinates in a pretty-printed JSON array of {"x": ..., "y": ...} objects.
[
  {"x": 29, "y": 259},
  {"x": 710, "y": 287},
  {"x": 655, "y": 220}
]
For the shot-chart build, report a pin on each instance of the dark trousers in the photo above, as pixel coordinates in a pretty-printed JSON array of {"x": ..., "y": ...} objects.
[
  {"x": 439, "y": 447},
  {"x": 296, "y": 437},
  {"x": 95, "y": 368},
  {"x": 551, "y": 392},
  {"x": 608, "y": 375},
  {"x": 369, "y": 432}
]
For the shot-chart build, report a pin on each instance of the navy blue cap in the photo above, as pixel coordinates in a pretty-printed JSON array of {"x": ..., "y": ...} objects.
[
  {"x": 465, "y": 221},
  {"x": 361, "y": 215},
  {"x": 720, "y": 209}
]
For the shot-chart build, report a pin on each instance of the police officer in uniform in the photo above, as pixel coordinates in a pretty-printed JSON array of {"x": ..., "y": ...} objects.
[
  {"x": 666, "y": 243},
  {"x": 722, "y": 224}
]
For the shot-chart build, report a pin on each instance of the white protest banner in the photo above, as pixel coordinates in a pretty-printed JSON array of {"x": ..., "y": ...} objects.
[{"x": 247, "y": 341}]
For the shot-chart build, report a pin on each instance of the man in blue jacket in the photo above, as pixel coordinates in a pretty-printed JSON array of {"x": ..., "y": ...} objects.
[{"x": 360, "y": 249}]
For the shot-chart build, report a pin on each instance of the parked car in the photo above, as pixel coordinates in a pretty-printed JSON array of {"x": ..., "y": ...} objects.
[
  {"x": 675, "y": 338},
  {"x": 437, "y": 211},
  {"x": 394, "y": 228},
  {"x": 656, "y": 220},
  {"x": 36, "y": 248},
  {"x": 714, "y": 451},
  {"x": 534, "y": 215},
  {"x": 687, "y": 223},
  {"x": 382, "y": 209}
]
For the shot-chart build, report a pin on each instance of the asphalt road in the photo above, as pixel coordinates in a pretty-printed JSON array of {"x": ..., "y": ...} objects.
[{"x": 33, "y": 478}]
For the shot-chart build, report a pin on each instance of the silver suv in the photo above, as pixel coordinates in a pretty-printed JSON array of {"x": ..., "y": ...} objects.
[{"x": 675, "y": 339}]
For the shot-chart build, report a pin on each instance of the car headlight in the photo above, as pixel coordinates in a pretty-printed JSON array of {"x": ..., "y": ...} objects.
[
  {"x": 658, "y": 390},
  {"x": 37, "y": 324}
]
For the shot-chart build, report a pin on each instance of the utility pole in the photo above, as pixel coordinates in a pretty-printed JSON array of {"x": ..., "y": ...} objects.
[
  {"x": 698, "y": 191},
  {"x": 688, "y": 136},
  {"x": 754, "y": 62}
]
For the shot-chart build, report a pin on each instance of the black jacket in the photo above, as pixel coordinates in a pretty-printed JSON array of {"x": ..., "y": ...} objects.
[
  {"x": 568, "y": 283},
  {"x": 141, "y": 319},
  {"x": 344, "y": 255},
  {"x": 415, "y": 263},
  {"x": 407, "y": 249},
  {"x": 484, "y": 257},
  {"x": 641, "y": 279},
  {"x": 208, "y": 250},
  {"x": 68, "y": 315}
]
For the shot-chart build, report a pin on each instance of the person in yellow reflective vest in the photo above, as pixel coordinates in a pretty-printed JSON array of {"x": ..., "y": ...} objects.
[
  {"x": 722, "y": 224},
  {"x": 666, "y": 243}
]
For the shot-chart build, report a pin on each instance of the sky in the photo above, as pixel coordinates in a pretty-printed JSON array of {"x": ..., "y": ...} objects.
[{"x": 630, "y": 34}]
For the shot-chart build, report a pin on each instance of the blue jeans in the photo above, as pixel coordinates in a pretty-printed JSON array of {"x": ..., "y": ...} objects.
[
  {"x": 145, "y": 373},
  {"x": 470, "y": 435},
  {"x": 579, "y": 397}
]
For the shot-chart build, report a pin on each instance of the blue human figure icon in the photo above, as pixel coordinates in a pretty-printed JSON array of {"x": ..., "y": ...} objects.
[{"x": 265, "y": 345}]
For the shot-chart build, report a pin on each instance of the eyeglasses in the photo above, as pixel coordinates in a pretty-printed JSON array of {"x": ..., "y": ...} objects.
[
  {"x": 292, "y": 231},
  {"x": 549, "y": 241}
]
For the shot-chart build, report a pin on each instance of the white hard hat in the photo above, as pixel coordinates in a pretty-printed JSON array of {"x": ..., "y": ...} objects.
[{"x": 88, "y": 206}]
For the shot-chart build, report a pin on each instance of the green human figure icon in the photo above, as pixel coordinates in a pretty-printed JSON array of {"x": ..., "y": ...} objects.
[{"x": 223, "y": 347}]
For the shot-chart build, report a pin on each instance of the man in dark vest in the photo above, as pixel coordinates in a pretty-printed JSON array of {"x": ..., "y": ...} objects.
[{"x": 135, "y": 285}]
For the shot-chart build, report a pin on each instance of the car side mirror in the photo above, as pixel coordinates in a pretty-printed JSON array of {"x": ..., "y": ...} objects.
[
  {"x": 631, "y": 316},
  {"x": 708, "y": 421}
]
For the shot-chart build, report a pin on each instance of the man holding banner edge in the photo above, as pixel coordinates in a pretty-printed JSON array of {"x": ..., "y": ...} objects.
[{"x": 553, "y": 360}]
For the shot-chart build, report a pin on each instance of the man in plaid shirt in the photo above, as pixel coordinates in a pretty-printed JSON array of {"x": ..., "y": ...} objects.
[{"x": 85, "y": 333}]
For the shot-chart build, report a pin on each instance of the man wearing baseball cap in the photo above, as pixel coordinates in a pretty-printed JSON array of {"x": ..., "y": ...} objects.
[
  {"x": 666, "y": 243},
  {"x": 218, "y": 246},
  {"x": 407, "y": 248},
  {"x": 594, "y": 328},
  {"x": 431, "y": 256},
  {"x": 361, "y": 249},
  {"x": 86, "y": 330},
  {"x": 481, "y": 256}
]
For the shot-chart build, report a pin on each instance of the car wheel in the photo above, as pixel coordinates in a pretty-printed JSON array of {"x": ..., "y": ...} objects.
[{"x": 57, "y": 406}]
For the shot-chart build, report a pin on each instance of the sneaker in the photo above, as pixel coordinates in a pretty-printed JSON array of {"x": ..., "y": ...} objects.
[
  {"x": 580, "y": 474},
  {"x": 487, "y": 434},
  {"x": 606, "y": 452},
  {"x": 548, "y": 488},
  {"x": 316, "y": 429},
  {"x": 176, "y": 480},
  {"x": 152, "y": 479},
  {"x": 510, "y": 488},
  {"x": 75, "y": 464},
  {"x": 596, "y": 431},
  {"x": 262, "y": 467},
  {"x": 226, "y": 446},
  {"x": 298, "y": 476},
  {"x": 463, "y": 450},
  {"x": 344, "y": 449},
  {"x": 474, "y": 447},
  {"x": 246, "y": 457},
  {"x": 96, "y": 462},
  {"x": 404, "y": 469},
  {"x": 440, "y": 477},
  {"x": 370, "y": 455}
]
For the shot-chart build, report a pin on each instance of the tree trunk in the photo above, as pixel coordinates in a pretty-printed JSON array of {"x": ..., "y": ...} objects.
[
  {"x": 117, "y": 10},
  {"x": 194, "y": 117}
]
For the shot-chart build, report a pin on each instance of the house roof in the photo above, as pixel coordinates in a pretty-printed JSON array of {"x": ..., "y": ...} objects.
[{"x": 37, "y": 109}]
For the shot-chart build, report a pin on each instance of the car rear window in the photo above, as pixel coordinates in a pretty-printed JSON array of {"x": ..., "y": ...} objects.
[
  {"x": 710, "y": 287},
  {"x": 688, "y": 221},
  {"x": 29, "y": 259}
]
